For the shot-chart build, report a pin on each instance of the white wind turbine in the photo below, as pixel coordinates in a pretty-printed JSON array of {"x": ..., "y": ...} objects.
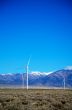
[
  {"x": 64, "y": 81},
  {"x": 23, "y": 80},
  {"x": 27, "y": 70}
]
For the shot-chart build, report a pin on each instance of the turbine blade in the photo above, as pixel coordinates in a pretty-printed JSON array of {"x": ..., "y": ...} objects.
[{"x": 28, "y": 61}]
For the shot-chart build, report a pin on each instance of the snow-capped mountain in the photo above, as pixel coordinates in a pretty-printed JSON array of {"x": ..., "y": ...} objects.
[
  {"x": 57, "y": 78},
  {"x": 50, "y": 79},
  {"x": 40, "y": 73},
  {"x": 68, "y": 68}
]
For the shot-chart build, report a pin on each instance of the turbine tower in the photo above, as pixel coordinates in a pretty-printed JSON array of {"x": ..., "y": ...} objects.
[
  {"x": 64, "y": 81},
  {"x": 23, "y": 80},
  {"x": 27, "y": 70}
]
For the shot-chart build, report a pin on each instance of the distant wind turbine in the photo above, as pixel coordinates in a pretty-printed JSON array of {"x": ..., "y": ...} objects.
[
  {"x": 64, "y": 81},
  {"x": 23, "y": 80}
]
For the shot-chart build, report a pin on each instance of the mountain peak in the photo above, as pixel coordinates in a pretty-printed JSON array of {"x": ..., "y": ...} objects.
[
  {"x": 68, "y": 68},
  {"x": 40, "y": 73}
]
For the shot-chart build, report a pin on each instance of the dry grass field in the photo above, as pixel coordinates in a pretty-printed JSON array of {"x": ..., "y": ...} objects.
[{"x": 21, "y": 99}]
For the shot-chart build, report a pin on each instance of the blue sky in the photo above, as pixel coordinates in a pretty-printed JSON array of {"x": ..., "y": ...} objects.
[{"x": 40, "y": 28}]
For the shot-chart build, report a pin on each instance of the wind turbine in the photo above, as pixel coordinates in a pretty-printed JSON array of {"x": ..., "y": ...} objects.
[
  {"x": 23, "y": 80},
  {"x": 27, "y": 70},
  {"x": 64, "y": 82}
]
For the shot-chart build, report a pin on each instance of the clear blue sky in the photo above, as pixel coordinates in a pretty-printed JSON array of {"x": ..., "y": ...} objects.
[{"x": 40, "y": 28}]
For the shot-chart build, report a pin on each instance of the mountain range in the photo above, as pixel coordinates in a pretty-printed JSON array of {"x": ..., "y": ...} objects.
[{"x": 38, "y": 79}]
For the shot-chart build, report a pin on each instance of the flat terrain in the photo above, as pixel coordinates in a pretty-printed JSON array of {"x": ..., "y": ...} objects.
[{"x": 21, "y": 99}]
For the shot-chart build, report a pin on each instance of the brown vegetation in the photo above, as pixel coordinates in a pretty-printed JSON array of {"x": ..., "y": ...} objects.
[{"x": 19, "y": 99}]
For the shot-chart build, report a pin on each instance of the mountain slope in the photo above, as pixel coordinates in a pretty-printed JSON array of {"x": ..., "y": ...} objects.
[{"x": 55, "y": 79}]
